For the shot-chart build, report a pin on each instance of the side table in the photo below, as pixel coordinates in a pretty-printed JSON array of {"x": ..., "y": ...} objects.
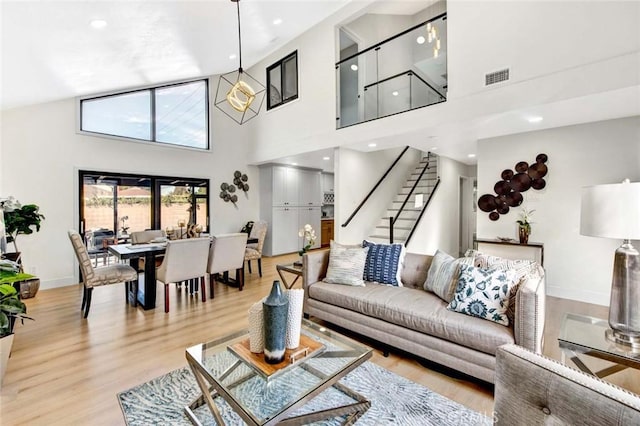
[
  {"x": 291, "y": 268},
  {"x": 583, "y": 335}
]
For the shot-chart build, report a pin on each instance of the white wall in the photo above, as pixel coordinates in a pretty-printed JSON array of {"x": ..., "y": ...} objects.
[
  {"x": 355, "y": 174},
  {"x": 440, "y": 225},
  {"x": 578, "y": 267},
  {"x": 42, "y": 154}
]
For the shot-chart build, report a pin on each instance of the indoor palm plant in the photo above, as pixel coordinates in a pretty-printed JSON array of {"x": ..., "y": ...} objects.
[{"x": 11, "y": 309}]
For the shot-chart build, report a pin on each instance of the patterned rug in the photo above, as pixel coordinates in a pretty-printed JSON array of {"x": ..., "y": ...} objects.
[{"x": 394, "y": 400}]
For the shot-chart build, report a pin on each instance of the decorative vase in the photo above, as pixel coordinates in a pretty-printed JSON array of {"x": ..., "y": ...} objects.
[
  {"x": 294, "y": 318},
  {"x": 523, "y": 233},
  {"x": 256, "y": 328},
  {"x": 275, "y": 310}
]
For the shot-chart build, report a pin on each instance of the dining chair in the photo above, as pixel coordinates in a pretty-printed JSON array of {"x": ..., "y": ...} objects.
[
  {"x": 184, "y": 260},
  {"x": 144, "y": 237},
  {"x": 254, "y": 250},
  {"x": 226, "y": 254},
  {"x": 95, "y": 277}
]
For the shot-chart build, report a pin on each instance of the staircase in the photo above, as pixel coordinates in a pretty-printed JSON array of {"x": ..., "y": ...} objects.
[{"x": 410, "y": 214}]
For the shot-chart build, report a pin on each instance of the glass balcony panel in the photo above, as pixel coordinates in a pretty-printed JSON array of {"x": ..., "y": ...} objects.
[{"x": 406, "y": 72}]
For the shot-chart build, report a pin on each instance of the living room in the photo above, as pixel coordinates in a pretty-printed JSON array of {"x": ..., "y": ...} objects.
[{"x": 575, "y": 64}]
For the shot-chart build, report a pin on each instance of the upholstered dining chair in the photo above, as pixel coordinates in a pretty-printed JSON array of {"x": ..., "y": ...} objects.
[
  {"x": 143, "y": 237},
  {"x": 184, "y": 260},
  {"x": 95, "y": 277},
  {"x": 226, "y": 254},
  {"x": 254, "y": 250}
]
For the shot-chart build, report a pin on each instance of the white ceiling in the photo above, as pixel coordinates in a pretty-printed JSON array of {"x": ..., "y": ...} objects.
[{"x": 50, "y": 51}]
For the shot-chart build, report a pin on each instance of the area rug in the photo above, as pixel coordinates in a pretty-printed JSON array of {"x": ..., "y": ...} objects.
[{"x": 394, "y": 400}]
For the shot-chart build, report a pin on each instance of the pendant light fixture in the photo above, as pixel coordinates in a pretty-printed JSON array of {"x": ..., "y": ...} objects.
[{"x": 239, "y": 95}]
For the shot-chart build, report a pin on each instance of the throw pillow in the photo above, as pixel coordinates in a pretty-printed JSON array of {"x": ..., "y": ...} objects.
[
  {"x": 443, "y": 274},
  {"x": 524, "y": 269},
  {"x": 483, "y": 293},
  {"x": 384, "y": 263},
  {"x": 346, "y": 265}
]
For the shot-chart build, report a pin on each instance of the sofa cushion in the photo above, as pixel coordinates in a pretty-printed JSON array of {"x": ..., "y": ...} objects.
[
  {"x": 415, "y": 309},
  {"x": 384, "y": 263},
  {"x": 346, "y": 265},
  {"x": 483, "y": 293},
  {"x": 443, "y": 274}
]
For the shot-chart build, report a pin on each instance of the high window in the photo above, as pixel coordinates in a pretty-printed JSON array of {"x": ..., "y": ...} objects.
[
  {"x": 282, "y": 81},
  {"x": 176, "y": 114}
]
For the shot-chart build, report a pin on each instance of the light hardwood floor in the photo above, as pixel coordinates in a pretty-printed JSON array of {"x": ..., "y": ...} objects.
[{"x": 67, "y": 370}]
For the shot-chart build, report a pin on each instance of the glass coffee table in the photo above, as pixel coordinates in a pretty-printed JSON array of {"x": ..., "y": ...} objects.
[
  {"x": 266, "y": 400},
  {"x": 580, "y": 334}
]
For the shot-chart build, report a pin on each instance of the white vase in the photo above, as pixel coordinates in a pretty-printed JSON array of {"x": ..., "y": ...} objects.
[
  {"x": 294, "y": 318},
  {"x": 5, "y": 350}
]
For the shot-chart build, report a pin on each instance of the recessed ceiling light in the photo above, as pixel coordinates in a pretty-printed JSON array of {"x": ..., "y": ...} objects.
[
  {"x": 354, "y": 67},
  {"x": 98, "y": 24},
  {"x": 535, "y": 119},
  {"x": 277, "y": 21},
  {"x": 471, "y": 156},
  {"x": 434, "y": 148},
  {"x": 372, "y": 145},
  {"x": 326, "y": 158},
  {"x": 394, "y": 93},
  {"x": 294, "y": 164},
  {"x": 233, "y": 56},
  {"x": 420, "y": 40}
]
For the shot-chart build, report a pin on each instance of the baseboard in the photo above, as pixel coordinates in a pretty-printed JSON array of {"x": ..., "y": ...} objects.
[
  {"x": 61, "y": 282},
  {"x": 587, "y": 296}
]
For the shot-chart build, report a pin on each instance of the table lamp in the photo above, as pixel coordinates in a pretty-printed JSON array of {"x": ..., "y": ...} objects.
[{"x": 613, "y": 211}]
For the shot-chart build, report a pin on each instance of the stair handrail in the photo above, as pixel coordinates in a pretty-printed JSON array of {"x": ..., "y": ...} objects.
[
  {"x": 424, "y": 208},
  {"x": 362, "y": 203},
  {"x": 413, "y": 188}
]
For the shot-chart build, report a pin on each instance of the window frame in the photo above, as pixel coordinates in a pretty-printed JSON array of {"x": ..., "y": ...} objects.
[
  {"x": 280, "y": 64},
  {"x": 153, "y": 124}
]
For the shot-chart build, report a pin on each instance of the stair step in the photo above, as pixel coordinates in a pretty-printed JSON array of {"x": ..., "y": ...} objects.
[
  {"x": 406, "y": 209},
  {"x": 385, "y": 238},
  {"x": 395, "y": 228}
]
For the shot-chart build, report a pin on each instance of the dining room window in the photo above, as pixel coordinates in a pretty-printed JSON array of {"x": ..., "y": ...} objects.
[
  {"x": 176, "y": 114},
  {"x": 282, "y": 81},
  {"x": 118, "y": 204}
]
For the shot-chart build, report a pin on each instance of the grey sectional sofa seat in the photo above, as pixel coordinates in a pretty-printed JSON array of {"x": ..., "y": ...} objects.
[{"x": 417, "y": 321}]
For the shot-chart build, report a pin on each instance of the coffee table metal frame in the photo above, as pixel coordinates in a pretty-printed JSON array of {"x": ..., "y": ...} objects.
[
  {"x": 580, "y": 334},
  {"x": 211, "y": 386}
]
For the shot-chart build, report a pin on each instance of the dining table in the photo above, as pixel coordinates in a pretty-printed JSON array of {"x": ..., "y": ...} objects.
[{"x": 145, "y": 296}]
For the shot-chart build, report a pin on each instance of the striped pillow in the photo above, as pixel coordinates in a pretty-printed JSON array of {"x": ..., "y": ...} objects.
[
  {"x": 384, "y": 263},
  {"x": 346, "y": 265},
  {"x": 443, "y": 274}
]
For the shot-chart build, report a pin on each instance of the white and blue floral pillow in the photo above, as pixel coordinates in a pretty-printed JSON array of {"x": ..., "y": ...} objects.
[{"x": 483, "y": 293}]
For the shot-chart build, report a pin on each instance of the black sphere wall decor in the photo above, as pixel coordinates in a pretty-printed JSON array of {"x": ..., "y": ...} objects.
[
  {"x": 508, "y": 191},
  {"x": 227, "y": 190}
]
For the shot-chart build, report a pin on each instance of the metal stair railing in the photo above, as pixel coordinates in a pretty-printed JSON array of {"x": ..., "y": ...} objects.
[
  {"x": 424, "y": 208},
  {"x": 384, "y": 176}
]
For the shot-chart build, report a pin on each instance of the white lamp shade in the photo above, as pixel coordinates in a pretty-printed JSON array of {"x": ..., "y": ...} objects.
[{"x": 611, "y": 211}]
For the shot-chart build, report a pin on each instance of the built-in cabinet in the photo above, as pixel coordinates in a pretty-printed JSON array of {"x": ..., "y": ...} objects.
[
  {"x": 327, "y": 232},
  {"x": 289, "y": 199}
]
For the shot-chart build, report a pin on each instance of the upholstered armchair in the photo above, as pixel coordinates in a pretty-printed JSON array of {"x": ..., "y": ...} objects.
[
  {"x": 96, "y": 277},
  {"x": 184, "y": 260},
  {"x": 254, "y": 250},
  {"x": 143, "y": 237},
  {"x": 226, "y": 254}
]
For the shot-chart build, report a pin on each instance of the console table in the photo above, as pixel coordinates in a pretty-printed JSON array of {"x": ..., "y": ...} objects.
[{"x": 511, "y": 249}]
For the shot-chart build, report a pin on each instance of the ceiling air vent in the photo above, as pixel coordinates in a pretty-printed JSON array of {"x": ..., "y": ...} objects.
[{"x": 496, "y": 77}]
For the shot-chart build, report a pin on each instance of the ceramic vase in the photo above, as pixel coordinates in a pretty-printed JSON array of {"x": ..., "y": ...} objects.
[
  {"x": 294, "y": 318},
  {"x": 275, "y": 310},
  {"x": 523, "y": 233},
  {"x": 256, "y": 328}
]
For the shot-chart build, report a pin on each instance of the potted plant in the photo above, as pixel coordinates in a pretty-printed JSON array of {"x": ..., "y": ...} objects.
[
  {"x": 11, "y": 309},
  {"x": 19, "y": 220},
  {"x": 524, "y": 225}
]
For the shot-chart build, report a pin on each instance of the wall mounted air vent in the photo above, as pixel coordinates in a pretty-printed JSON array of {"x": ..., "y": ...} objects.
[{"x": 496, "y": 77}]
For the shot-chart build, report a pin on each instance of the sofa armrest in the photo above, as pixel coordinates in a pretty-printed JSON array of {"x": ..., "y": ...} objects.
[
  {"x": 531, "y": 389},
  {"x": 528, "y": 326},
  {"x": 314, "y": 269}
]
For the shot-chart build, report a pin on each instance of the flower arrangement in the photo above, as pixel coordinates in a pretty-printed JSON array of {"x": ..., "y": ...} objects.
[
  {"x": 309, "y": 235},
  {"x": 525, "y": 219},
  {"x": 124, "y": 228}
]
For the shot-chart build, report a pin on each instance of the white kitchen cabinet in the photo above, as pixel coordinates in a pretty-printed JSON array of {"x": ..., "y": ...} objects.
[
  {"x": 310, "y": 188},
  {"x": 311, "y": 216},
  {"x": 285, "y": 186},
  {"x": 284, "y": 230},
  {"x": 327, "y": 182}
]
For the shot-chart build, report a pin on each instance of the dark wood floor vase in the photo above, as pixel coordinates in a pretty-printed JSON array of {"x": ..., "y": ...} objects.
[{"x": 62, "y": 360}]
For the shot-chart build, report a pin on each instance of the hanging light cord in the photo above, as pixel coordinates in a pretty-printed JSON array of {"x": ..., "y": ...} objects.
[{"x": 239, "y": 37}]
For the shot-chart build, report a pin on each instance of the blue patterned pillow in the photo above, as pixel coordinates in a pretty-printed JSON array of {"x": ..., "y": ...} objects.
[
  {"x": 384, "y": 263},
  {"x": 483, "y": 293}
]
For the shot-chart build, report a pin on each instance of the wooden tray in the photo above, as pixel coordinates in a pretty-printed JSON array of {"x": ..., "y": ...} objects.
[{"x": 291, "y": 356}]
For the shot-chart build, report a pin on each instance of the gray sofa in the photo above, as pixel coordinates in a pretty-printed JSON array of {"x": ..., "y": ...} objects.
[
  {"x": 416, "y": 321},
  {"x": 535, "y": 390}
]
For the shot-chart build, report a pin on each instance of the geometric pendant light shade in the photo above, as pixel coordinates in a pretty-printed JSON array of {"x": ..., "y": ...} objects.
[{"x": 239, "y": 95}]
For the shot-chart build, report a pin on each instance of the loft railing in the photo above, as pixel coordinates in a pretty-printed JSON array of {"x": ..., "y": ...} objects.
[
  {"x": 384, "y": 176},
  {"x": 399, "y": 74}
]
